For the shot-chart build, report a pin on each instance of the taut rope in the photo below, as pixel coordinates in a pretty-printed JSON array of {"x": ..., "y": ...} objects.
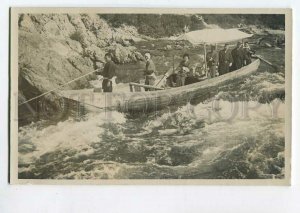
[{"x": 45, "y": 93}]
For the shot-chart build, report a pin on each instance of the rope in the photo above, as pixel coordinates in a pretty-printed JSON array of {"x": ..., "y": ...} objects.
[{"x": 45, "y": 93}]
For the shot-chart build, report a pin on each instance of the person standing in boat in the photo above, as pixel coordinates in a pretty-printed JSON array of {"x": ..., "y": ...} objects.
[
  {"x": 212, "y": 59},
  {"x": 108, "y": 73},
  {"x": 150, "y": 70},
  {"x": 237, "y": 56},
  {"x": 183, "y": 69},
  {"x": 247, "y": 53},
  {"x": 225, "y": 60}
]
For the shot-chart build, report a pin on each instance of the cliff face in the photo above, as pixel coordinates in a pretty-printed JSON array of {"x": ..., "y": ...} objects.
[{"x": 56, "y": 48}]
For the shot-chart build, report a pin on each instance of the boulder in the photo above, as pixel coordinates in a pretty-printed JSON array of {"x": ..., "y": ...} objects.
[
  {"x": 122, "y": 54},
  {"x": 46, "y": 63},
  {"x": 74, "y": 45},
  {"x": 26, "y": 24},
  {"x": 94, "y": 53},
  {"x": 56, "y": 48}
]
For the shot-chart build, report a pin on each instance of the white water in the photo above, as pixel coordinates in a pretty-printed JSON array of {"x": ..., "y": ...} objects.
[{"x": 185, "y": 143}]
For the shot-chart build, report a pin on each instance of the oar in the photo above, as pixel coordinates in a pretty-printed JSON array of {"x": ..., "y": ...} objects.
[
  {"x": 164, "y": 76},
  {"x": 50, "y": 91},
  {"x": 167, "y": 73},
  {"x": 267, "y": 62}
]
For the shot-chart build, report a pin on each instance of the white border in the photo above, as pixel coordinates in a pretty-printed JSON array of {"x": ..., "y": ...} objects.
[{"x": 14, "y": 89}]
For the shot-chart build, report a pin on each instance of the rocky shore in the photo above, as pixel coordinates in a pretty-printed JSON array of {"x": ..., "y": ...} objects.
[{"x": 56, "y": 48}]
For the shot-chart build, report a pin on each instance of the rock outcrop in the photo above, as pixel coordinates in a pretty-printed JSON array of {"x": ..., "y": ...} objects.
[{"x": 56, "y": 48}]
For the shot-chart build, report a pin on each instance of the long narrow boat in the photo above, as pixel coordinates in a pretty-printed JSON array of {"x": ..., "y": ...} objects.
[{"x": 124, "y": 101}]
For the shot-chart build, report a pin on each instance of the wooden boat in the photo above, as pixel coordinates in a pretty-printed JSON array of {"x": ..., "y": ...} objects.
[{"x": 158, "y": 99}]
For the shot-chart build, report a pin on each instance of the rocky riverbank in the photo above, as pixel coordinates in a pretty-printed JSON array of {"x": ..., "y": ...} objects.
[{"x": 56, "y": 48}]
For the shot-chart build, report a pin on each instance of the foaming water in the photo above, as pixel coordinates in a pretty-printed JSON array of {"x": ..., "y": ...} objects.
[{"x": 216, "y": 139}]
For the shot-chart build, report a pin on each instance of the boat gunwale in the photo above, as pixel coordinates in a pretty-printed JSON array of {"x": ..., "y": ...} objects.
[
  {"x": 206, "y": 81},
  {"x": 126, "y": 96}
]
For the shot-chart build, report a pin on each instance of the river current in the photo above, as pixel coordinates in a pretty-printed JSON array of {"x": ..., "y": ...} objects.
[{"x": 219, "y": 138}]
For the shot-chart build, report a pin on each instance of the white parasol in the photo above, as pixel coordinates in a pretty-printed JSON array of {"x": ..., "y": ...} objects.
[{"x": 213, "y": 36}]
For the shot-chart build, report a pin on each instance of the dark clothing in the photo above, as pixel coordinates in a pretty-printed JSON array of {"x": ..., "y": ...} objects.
[
  {"x": 184, "y": 68},
  {"x": 191, "y": 80},
  {"x": 107, "y": 85},
  {"x": 183, "y": 64},
  {"x": 150, "y": 74},
  {"x": 212, "y": 60},
  {"x": 212, "y": 71},
  {"x": 150, "y": 80},
  {"x": 225, "y": 59},
  {"x": 247, "y": 55},
  {"x": 150, "y": 67},
  {"x": 171, "y": 80},
  {"x": 109, "y": 71},
  {"x": 238, "y": 58}
]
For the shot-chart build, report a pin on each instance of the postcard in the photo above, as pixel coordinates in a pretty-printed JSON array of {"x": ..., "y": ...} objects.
[{"x": 150, "y": 96}]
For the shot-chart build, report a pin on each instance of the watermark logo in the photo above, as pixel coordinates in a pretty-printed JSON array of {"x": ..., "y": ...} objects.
[{"x": 56, "y": 107}]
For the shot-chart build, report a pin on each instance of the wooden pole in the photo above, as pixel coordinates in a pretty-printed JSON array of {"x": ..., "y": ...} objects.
[
  {"x": 205, "y": 63},
  {"x": 266, "y": 61},
  {"x": 45, "y": 93},
  {"x": 173, "y": 64},
  {"x": 145, "y": 86}
]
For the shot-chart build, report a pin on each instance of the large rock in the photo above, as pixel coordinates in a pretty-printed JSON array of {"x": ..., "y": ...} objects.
[
  {"x": 95, "y": 53},
  {"x": 56, "y": 48},
  {"x": 123, "y": 54},
  {"x": 26, "y": 24},
  {"x": 74, "y": 45},
  {"x": 48, "y": 63}
]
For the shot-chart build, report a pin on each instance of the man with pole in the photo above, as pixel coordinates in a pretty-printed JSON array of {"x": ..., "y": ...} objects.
[{"x": 108, "y": 73}]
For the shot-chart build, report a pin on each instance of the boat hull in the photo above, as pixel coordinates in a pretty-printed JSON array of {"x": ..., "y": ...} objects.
[{"x": 154, "y": 100}]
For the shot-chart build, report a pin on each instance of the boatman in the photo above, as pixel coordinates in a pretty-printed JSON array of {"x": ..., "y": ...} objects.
[
  {"x": 150, "y": 70},
  {"x": 183, "y": 70},
  {"x": 108, "y": 73},
  {"x": 212, "y": 59},
  {"x": 225, "y": 60},
  {"x": 237, "y": 56}
]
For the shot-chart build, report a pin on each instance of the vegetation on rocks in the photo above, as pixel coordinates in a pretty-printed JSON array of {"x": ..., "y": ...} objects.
[
  {"x": 162, "y": 25},
  {"x": 55, "y": 48}
]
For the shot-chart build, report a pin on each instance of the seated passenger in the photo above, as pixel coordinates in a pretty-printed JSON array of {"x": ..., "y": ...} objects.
[
  {"x": 192, "y": 77},
  {"x": 183, "y": 69},
  {"x": 171, "y": 80}
]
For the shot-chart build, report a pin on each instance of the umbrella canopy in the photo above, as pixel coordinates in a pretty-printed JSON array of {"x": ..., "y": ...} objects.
[{"x": 213, "y": 36}]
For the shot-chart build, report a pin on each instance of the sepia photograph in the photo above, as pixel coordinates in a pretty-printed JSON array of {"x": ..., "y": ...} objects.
[{"x": 150, "y": 96}]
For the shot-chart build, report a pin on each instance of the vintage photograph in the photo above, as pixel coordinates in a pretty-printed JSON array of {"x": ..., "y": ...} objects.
[{"x": 163, "y": 96}]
